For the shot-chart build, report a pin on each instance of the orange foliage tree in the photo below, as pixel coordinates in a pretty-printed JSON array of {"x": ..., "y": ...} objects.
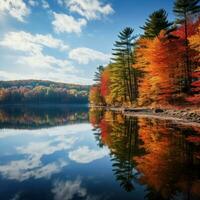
[
  {"x": 194, "y": 42},
  {"x": 105, "y": 86},
  {"x": 165, "y": 56},
  {"x": 161, "y": 60},
  {"x": 95, "y": 95}
]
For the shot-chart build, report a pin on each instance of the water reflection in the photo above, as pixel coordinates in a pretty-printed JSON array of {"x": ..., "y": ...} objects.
[
  {"x": 52, "y": 163},
  {"x": 54, "y": 153},
  {"x": 162, "y": 156},
  {"x": 67, "y": 190},
  {"x": 35, "y": 117},
  {"x": 28, "y": 159}
]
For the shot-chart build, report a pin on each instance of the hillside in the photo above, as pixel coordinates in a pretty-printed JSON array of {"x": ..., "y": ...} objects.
[
  {"x": 39, "y": 91},
  {"x": 34, "y": 83}
]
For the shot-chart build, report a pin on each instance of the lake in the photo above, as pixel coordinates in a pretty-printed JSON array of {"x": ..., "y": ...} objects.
[{"x": 71, "y": 152}]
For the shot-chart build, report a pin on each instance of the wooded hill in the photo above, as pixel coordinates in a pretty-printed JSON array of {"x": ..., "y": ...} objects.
[{"x": 39, "y": 91}]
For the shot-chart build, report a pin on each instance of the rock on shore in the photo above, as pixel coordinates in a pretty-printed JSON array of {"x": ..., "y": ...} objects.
[{"x": 185, "y": 114}]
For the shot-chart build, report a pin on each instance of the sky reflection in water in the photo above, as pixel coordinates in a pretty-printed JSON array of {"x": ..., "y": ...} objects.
[{"x": 55, "y": 153}]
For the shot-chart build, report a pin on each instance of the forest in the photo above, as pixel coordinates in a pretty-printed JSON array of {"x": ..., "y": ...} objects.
[
  {"x": 159, "y": 68},
  {"x": 42, "y": 92}
]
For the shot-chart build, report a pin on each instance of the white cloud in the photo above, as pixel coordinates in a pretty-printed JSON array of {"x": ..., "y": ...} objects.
[
  {"x": 15, "y": 8},
  {"x": 30, "y": 43},
  {"x": 68, "y": 190},
  {"x": 85, "y": 155},
  {"x": 44, "y": 61},
  {"x": 85, "y": 55},
  {"x": 29, "y": 54},
  {"x": 49, "y": 41},
  {"x": 48, "y": 74},
  {"x": 32, "y": 46},
  {"x": 45, "y": 4},
  {"x": 65, "y": 23},
  {"x": 60, "y": 2},
  {"x": 91, "y": 9},
  {"x": 33, "y": 3}
]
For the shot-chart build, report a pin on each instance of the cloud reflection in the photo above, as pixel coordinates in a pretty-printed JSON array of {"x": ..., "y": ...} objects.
[
  {"x": 32, "y": 165},
  {"x": 45, "y": 143},
  {"x": 67, "y": 190},
  {"x": 86, "y": 155}
]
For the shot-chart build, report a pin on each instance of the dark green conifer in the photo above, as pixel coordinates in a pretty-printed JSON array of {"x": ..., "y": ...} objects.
[
  {"x": 156, "y": 22},
  {"x": 123, "y": 75},
  {"x": 97, "y": 76}
]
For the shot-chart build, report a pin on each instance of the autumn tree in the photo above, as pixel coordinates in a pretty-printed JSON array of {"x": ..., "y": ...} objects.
[
  {"x": 105, "y": 86},
  {"x": 184, "y": 10},
  {"x": 145, "y": 92},
  {"x": 160, "y": 60},
  {"x": 194, "y": 42},
  {"x": 149, "y": 84},
  {"x": 165, "y": 57},
  {"x": 95, "y": 97}
]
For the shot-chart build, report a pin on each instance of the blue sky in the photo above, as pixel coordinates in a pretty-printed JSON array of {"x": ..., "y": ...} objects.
[{"x": 65, "y": 40}]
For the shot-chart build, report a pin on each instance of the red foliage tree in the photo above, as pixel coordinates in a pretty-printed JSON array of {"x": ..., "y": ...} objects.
[{"x": 105, "y": 81}]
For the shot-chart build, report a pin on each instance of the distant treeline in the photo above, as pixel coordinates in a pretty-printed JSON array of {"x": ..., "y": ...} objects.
[{"x": 38, "y": 92}]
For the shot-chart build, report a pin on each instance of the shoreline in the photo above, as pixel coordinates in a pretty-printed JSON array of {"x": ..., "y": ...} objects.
[{"x": 180, "y": 116}]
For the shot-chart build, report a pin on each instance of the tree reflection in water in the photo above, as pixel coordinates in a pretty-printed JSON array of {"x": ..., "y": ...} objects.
[
  {"x": 163, "y": 156},
  {"x": 36, "y": 117}
]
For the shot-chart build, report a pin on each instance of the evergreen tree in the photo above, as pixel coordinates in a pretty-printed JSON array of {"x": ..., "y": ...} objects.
[
  {"x": 97, "y": 76},
  {"x": 156, "y": 22},
  {"x": 184, "y": 9},
  {"x": 123, "y": 75}
]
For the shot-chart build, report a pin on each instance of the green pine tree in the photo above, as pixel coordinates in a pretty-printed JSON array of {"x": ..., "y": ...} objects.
[
  {"x": 97, "y": 76},
  {"x": 156, "y": 22},
  {"x": 123, "y": 75}
]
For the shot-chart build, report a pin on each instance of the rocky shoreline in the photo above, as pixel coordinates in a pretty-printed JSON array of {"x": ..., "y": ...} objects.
[{"x": 186, "y": 115}]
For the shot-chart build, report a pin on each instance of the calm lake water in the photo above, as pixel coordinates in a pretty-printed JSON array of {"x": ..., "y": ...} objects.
[{"x": 69, "y": 152}]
